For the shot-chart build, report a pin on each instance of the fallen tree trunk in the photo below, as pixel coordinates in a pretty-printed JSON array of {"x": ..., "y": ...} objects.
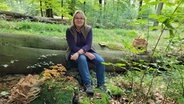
[
  {"x": 30, "y": 54},
  {"x": 33, "y": 41},
  {"x": 8, "y": 15}
]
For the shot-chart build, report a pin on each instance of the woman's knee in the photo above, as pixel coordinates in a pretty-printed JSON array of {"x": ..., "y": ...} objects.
[
  {"x": 99, "y": 58},
  {"x": 82, "y": 58}
]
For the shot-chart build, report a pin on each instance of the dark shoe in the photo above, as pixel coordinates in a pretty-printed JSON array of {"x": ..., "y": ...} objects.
[
  {"x": 102, "y": 88},
  {"x": 89, "y": 89}
]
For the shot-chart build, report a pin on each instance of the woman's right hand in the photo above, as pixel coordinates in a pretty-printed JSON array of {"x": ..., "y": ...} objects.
[
  {"x": 81, "y": 51},
  {"x": 90, "y": 55},
  {"x": 74, "y": 56}
]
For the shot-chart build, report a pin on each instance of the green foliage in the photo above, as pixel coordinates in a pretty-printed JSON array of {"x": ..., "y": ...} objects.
[
  {"x": 103, "y": 99},
  {"x": 4, "y": 6},
  {"x": 54, "y": 92},
  {"x": 85, "y": 100},
  {"x": 123, "y": 38},
  {"x": 98, "y": 98},
  {"x": 43, "y": 29},
  {"x": 174, "y": 79},
  {"x": 33, "y": 28},
  {"x": 114, "y": 90},
  {"x": 113, "y": 14},
  {"x": 146, "y": 11}
]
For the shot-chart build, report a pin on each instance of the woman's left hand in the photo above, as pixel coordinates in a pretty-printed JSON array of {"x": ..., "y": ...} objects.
[
  {"x": 90, "y": 55},
  {"x": 74, "y": 56}
]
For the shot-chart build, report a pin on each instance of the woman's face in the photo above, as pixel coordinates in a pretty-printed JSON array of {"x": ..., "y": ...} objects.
[{"x": 79, "y": 20}]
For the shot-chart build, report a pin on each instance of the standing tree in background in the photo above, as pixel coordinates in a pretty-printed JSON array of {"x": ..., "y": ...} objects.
[
  {"x": 102, "y": 10},
  {"x": 72, "y": 5},
  {"x": 84, "y": 7},
  {"x": 102, "y": 5},
  {"x": 140, "y": 4},
  {"x": 62, "y": 5},
  {"x": 49, "y": 10},
  {"x": 140, "y": 8},
  {"x": 158, "y": 12},
  {"x": 47, "y": 7},
  {"x": 41, "y": 10}
]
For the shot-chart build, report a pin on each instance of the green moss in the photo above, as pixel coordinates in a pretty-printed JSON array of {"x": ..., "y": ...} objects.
[
  {"x": 114, "y": 90},
  {"x": 99, "y": 97},
  {"x": 104, "y": 99},
  {"x": 85, "y": 100},
  {"x": 56, "y": 92}
]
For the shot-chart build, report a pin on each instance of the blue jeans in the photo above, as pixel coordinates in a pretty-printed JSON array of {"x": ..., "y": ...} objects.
[{"x": 83, "y": 68}]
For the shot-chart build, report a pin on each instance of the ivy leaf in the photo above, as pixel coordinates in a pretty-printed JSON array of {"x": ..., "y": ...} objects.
[
  {"x": 119, "y": 65},
  {"x": 107, "y": 63}
]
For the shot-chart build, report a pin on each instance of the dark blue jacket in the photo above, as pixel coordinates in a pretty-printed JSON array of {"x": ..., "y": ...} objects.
[{"x": 79, "y": 40}]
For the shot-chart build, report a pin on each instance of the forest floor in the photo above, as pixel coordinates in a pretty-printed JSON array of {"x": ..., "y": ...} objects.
[{"x": 7, "y": 82}]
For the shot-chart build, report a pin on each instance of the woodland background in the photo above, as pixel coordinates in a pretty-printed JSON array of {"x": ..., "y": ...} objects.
[{"x": 32, "y": 48}]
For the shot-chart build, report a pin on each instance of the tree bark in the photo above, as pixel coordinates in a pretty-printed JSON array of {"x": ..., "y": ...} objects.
[
  {"x": 18, "y": 16},
  {"x": 30, "y": 54},
  {"x": 49, "y": 13},
  {"x": 72, "y": 5},
  {"x": 62, "y": 5},
  {"x": 158, "y": 12},
  {"x": 41, "y": 10},
  {"x": 140, "y": 5}
]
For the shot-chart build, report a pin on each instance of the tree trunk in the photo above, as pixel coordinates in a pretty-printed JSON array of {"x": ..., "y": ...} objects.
[
  {"x": 140, "y": 5},
  {"x": 72, "y": 7},
  {"x": 84, "y": 6},
  {"x": 23, "y": 53},
  {"x": 62, "y": 5},
  {"x": 158, "y": 12},
  {"x": 41, "y": 10},
  {"x": 30, "y": 54},
  {"x": 49, "y": 13},
  {"x": 102, "y": 5},
  {"x": 18, "y": 16}
]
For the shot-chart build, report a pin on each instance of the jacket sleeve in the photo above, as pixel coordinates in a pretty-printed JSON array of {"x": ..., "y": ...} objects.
[
  {"x": 71, "y": 41},
  {"x": 89, "y": 39}
]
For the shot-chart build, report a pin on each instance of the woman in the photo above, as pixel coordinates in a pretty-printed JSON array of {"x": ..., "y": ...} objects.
[{"x": 79, "y": 39}]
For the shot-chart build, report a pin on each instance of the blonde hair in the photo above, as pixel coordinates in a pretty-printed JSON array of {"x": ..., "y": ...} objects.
[{"x": 82, "y": 13}]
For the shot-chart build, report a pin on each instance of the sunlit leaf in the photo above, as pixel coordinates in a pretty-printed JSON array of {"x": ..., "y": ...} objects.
[
  {"x": 155, "y": 28},
  {"x": 107, "y": 63},
  {"x": 4, "y": 93},
  {"x": 82, "y": 1},
  {"x": 5, "y": 65},
  {"x": 160, "y": 18},
  {"x": 119, "y": 64}
]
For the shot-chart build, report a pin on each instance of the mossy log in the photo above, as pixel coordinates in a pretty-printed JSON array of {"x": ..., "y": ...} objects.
[
  {"x": 10, "y": 16},
  {"x": 64, "y": 91},
  {"x": 56, "y": 92},
  {"x": 30, "y": 53}
]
